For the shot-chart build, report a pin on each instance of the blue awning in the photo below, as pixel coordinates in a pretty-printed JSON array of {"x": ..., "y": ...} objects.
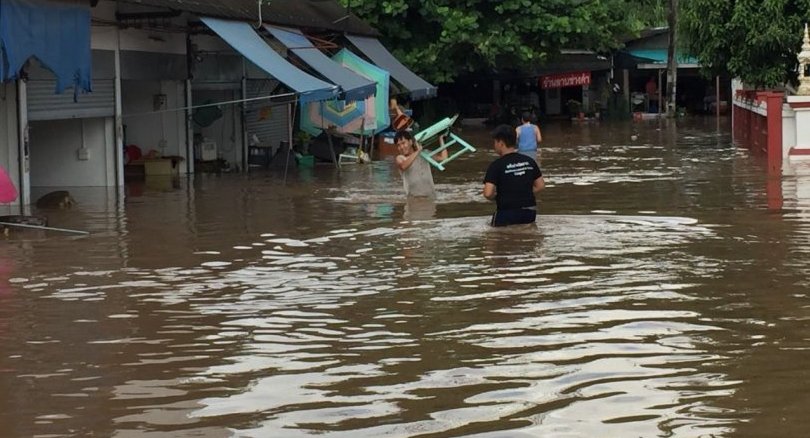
[
  {"x": 56, "y": 33},
  {"x": 354, "y": 86},
  {"x": 379, "y": 55},
  {"x": 246, "y": 41},
  {"x": 659, "y": 56}
]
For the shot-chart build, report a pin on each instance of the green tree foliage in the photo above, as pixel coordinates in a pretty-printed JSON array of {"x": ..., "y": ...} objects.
[
  {"x": 441, "y": 39},
  {"x": 755, "y": 40}
]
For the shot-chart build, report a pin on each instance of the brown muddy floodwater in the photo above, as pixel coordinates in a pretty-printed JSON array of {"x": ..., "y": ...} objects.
[{"x": 659, "y": 296}]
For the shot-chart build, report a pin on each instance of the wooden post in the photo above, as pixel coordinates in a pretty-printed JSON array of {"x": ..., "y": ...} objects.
[
  {"x": 660, "y": 94},
  {"x": 717, "y": 96},
  {"x": 189, "y": 113},
  {"x": 672, "y": 61},
  {"x": 626, "y": 88},
  {"x": 289, "y": 140}
]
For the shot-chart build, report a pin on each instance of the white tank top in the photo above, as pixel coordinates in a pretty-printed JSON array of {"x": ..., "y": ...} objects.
[{"x": 418, "y": 179}]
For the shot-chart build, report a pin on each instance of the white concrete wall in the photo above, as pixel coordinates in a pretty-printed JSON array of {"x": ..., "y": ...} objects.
[
  {"x": 54, "y": 147},
  {"x": 103, "y": 36},
  {"x": 760, "y": 108},
  {"x": 9, "y": 154},
  {"x": 156, "y": 41},
  {"x": 149, "y": 131},
  {"x": 788, "y": 130},
  {"x": 736, "y": 84}
]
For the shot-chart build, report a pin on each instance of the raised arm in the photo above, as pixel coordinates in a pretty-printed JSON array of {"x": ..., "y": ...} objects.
[
  {"x": 404, "y": 162},
  {"x": 441, "y": 156}
]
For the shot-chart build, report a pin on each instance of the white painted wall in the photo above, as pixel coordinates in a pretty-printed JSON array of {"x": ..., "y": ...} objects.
[
  {"x": 103, "y": 36},
  {"x": 9, "y": 156},
  {"x": 736, "y": 84},
  {"x": 788, "y": 130},
  {"x": 54, "y": 146},
  {"x": 760, "y": 108},
  {"x": 147, "y": 131},
  {"x": 801, "y": 125},
  {"x": 157, "y": 41}
]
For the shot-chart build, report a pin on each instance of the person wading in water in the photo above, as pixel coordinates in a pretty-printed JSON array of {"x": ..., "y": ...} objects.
[
  {"x": 528, "y": 136},
  {"x": 415, "y": 170},
  {"x": 512, "y": 181}
]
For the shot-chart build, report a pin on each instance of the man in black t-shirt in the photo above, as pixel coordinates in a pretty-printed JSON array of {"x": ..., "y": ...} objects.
[{"x": 512, "y": 180}]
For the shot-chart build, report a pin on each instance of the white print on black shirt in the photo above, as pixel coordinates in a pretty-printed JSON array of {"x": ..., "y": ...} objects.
[{"x": 518, "y": 169}]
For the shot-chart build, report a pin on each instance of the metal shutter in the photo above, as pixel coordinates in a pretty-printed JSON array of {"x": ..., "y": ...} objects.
[
  {"x": 45, "y": 104},
  {"x": 267, "y": 119}
]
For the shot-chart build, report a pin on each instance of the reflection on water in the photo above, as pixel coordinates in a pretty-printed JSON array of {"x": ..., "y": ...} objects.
[{"x": 656, "y": 296}]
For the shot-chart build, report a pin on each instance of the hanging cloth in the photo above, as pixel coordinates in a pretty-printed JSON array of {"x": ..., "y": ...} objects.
[
  {"x": 8, "y": 193},
  {"x": 56, "y": 33}
]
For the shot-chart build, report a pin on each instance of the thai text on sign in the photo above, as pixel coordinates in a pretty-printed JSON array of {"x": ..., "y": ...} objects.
[{"x": 563, "y": 80}]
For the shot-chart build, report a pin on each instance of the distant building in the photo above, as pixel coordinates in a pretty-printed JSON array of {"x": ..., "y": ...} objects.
[{"x": 645, "y": 58}]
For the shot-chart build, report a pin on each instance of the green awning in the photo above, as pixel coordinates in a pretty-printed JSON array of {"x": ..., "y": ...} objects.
[{"x": 659, "y": 56}]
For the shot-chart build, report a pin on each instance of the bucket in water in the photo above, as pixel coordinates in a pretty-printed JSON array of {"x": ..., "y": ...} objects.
[{"x": 305, "y": 160}]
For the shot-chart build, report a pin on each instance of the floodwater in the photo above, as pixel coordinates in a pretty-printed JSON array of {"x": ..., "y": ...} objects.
[{"x": 664, "y": 293}]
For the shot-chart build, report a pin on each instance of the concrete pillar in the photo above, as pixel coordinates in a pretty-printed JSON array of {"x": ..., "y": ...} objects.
[
  {"x": 24, "y": 185},
  {"x": 801, "y": 107},
  {"x": 626, "y": 87},
  {"x": 189, "y": 130},
  {"x": 660, "y": 93},
  {"x": 118, "y": 128},
  {"x": 9, "y": 140},
  {"x": 586, "y": 98},
  {"x": 243, "y": 124},
  {"x": 774, "y": 126}
]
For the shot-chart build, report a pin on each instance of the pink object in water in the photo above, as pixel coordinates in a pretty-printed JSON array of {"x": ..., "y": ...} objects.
[{"x": 8, "y": 192}]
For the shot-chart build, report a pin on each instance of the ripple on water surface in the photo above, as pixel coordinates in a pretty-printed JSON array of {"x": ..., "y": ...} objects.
[{"x": 579, "y": 326}]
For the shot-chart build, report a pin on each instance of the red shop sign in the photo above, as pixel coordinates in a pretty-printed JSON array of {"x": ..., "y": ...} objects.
[{"x": 562, "y": 80}]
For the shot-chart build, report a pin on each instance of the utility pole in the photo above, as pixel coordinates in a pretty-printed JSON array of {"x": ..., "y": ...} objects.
[{"x": 672, "y": 61}]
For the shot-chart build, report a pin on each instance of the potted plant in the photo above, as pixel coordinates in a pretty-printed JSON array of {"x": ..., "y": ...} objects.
[
  {"x": 301, "y": 141},
  {"x": 575, "y": 108}
]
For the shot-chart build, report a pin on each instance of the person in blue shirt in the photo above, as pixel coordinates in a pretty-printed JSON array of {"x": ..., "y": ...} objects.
[{"x": 528, "y": 136}]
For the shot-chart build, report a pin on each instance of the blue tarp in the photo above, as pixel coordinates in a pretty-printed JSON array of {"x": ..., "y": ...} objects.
[
  {"x": 354, "y": 86},
  {"x": 659, "y": 56},
  {"x": 379, "y": 55},
  {"x": 246, "y": 41},
  {"x": 57, "y": 34}
]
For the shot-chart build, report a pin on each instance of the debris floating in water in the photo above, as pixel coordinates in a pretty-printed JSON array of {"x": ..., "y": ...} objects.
[{"x": 39, "y": 227}]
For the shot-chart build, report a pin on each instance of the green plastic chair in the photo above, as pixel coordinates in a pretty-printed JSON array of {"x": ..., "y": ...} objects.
[{"x": 431, "y": 135}]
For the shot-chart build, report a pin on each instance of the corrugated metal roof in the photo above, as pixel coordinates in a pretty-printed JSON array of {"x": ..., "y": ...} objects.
[
  {"x": 317, "y": 14},
  {"x": 650, "y": 32},
  {"x": 309, "y": 14}
]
